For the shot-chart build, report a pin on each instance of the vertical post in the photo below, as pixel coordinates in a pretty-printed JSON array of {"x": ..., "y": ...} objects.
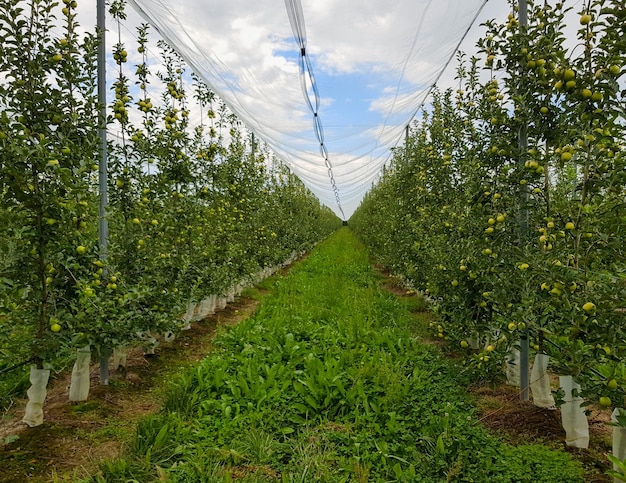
[
  {"x": 103, "y": 225},
  {"x": 523, "y": 223},
  {"x": 104, "y": 366},
  {"x": 406, "y": 143},
  {"x": 253, "y": 146},
  {"x": 524, "y": 364}
]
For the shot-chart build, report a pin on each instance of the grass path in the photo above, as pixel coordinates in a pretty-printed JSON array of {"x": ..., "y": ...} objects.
[{"x": 327, "y": 382}]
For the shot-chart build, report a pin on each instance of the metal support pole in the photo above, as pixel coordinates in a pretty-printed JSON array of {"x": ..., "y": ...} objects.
[
  {"x": 103, "y": 225},
  {"x": 253, "y": 147},
  {"x": 523, "y": 14},
  {"x": 523, "y": 224},
  {"x": 524, "y": 364},
  {"x": 104, "y": 366},
  {"x": 406, "y": 143}
]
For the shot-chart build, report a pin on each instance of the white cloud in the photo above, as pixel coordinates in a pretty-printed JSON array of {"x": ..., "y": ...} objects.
[{"x": 240, "y": 48}]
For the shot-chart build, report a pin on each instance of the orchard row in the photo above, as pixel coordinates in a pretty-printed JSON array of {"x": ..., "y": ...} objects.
[
  {"x": 507, "y": 204},
  {"x": 194, "y": 210}
]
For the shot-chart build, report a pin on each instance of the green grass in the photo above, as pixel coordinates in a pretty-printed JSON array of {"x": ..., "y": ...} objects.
[
  {"x": 13, "y": 385},
  {"x": 327, "y": 382}
]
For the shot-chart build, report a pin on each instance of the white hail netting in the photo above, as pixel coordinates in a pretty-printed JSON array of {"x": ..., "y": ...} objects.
[{"x": 372, "y": 74}]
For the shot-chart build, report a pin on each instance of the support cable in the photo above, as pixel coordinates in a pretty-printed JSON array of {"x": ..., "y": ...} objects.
[
  {"x": 442, "y": 70},
  {"x": 17, "y": 366},
  {"x": 309, "y": 88}
]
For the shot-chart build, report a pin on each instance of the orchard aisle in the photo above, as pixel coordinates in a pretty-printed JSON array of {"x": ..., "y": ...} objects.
[{"x": 326, "y": 382}]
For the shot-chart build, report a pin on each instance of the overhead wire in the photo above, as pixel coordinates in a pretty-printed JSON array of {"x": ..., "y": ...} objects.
[
  {"x": 456, "y": 49},
  {"x": 443, "y": 69},
  {"x": 404, "y": 66},
  {"x": 307, "y": 81}
]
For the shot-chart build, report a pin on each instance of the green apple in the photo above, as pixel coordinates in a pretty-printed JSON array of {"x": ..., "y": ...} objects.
[
  {"x": 605, "y": 401},
  {"x": 589, "y": 307}
]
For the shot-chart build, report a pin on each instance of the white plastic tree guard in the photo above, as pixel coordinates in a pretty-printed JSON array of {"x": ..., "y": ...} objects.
[
  {"x": 37, "y": 392},
  {"x": 79, "y": 385},
  {"x": 573, "y": 415},
  {"x": 169, "y": 336},
  {"x": 188, "y": 315},
  {"x": 119, "y": 357},
  {"x": 221, "y": 303},
  {"x": 619, "y": 439},
  {"x": 540, "y": 383},
  {"x": 208, "y": 306},
  {"x": 513, "y": 367},
  {"x": 211, "y": 304},
  {"x": 148, "y": 342}
]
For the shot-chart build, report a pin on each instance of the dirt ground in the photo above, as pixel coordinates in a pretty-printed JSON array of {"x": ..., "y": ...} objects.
[
  {"x": 518, "y": 422},
  {"x": 75, "y": 437}
]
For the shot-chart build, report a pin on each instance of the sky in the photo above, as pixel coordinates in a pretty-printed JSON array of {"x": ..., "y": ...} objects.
[{"x": 373, "y": 63}]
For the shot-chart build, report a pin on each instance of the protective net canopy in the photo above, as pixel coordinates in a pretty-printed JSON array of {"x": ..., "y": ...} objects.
[{"x": 330, "y": 86}]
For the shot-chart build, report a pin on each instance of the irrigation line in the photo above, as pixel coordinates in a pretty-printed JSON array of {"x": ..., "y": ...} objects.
[
  {"x": 16, "y": 366},
  {"x": 501, "y": 408}
]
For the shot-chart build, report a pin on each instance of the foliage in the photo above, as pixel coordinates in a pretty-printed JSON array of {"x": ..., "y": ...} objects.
[
  {"x": 48, "y": 140},
  {"x": 619, "y": 471},
  {"x": 325, "y": 383},
  {"x": 194, "y": 210},
  {"x": 506, "y": 205}
]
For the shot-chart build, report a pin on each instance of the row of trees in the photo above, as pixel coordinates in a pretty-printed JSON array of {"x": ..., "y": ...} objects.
[
  {"x": 507, "y": 204},
  {"x": 194, "y": 209}
]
